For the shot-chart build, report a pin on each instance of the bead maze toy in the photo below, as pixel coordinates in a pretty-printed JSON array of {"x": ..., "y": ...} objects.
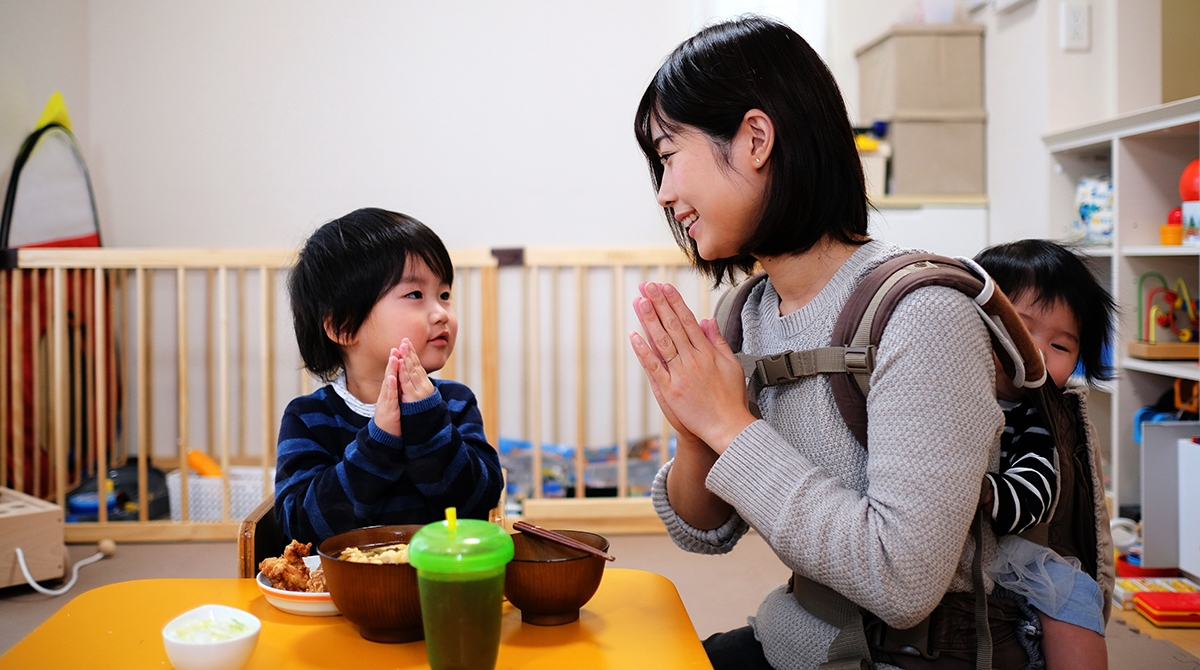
[{"x": 1170, "y": 309}]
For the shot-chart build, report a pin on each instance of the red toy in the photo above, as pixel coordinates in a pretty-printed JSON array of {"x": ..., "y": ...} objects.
[{"x": 1189, "y": 182}]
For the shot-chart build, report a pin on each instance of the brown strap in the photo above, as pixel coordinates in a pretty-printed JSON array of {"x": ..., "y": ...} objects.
[{"x": 849, "y": 649}]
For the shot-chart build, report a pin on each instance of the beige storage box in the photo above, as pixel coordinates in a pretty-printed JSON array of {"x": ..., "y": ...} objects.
[
  {"x": 937, "y": 157},
  {"x": 35, "y": 526},
  {"x": 913, "y": 70}
]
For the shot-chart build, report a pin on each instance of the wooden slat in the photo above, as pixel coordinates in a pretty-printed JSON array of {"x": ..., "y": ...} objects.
[
  {"x": 77, "y": 352},
  {"x": 607, "y": 516},
  {"x": 489, "y": 404},
  {"x": 141, "y": 289},
  {"x": 555, "y": 368},
  {"x": 472, "y": 258},
  {"x": 35, "y": 381},
  {"x": 619, "y": 394},
  {"x": 267, "y": 286},
  {"x": 223, "y": 385},
  {"x": 581, "y": 357},
  {"x": 210, "y": 384},
  {"x": 240, "y": 403},
  {"x": 17, "y": 395},
  {"x": 151, "y": 531},
  {"x": 181, "y": 391},
  {"x": 664, "y": 433},
  {"x": 58, "y": 387},
  {"x": 569, "y": 257},
  {"x": 101, "y": 385},
  {"x": 87, "y": 372},
  {"x": 162, "y": 259},
  {"x": 121, "y": 379},
  {"x": 533, "y": 395},
  {"x": 7, "y": 306}
]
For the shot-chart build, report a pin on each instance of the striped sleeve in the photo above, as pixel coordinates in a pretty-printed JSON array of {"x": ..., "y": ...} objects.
[{"x": 1026, "y": 486}]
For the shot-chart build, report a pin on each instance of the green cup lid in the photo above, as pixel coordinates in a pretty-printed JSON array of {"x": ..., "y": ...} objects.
[{"x": 462, "y": 545}]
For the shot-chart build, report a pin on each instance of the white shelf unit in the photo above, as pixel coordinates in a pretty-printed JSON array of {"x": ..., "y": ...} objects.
[{"x": 1144, "y": 152}]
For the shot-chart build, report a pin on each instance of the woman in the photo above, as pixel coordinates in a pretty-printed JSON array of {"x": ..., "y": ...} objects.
[{"x": 753, "y": 159}]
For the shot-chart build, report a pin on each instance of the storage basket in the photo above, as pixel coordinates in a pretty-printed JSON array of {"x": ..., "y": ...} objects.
[{"x": 204, "y": 493}]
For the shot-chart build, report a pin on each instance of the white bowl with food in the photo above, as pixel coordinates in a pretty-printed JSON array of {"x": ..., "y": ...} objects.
[
  {"x": 304, "y": 603},
  {"x": 211, "y": 637}
]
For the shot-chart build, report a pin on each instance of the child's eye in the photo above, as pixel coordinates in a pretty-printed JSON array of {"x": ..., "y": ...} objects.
[
  {"x": 415, "y": 295},
  {"x": 665, "y": 157},
  {"x": 1060, "y": 347},
  {"x": 445, "y": 295}
]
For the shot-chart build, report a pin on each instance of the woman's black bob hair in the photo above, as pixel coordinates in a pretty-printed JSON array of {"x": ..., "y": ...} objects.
[
  {"x": 1052, "y": 273},
  {"x": 345, "y": 267},
  {"x": 816, "y": 186}
]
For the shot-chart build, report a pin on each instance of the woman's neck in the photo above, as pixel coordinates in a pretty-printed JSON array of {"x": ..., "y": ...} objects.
[{"x": 798, "y": 278}]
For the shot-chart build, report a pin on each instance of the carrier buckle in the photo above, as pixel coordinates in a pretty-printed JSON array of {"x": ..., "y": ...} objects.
[
  {"x": 775, "y": 369},
  {"x": 860, "y": 360}
]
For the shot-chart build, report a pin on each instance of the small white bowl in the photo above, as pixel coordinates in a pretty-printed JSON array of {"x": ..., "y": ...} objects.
[
  {"x": 201, "y": 652},
  {"x": 297, "y": 602}
]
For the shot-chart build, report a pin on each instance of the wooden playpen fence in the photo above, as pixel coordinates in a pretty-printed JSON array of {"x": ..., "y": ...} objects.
[{"x": 90, "y": 378}]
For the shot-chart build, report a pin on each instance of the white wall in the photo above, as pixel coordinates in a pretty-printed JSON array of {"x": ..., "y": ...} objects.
[
  {"x": 43, "y": 49},
  {"x": 498, "y": 124}
]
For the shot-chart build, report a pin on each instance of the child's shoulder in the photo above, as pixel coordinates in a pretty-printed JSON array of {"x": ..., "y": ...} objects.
[{"x": 319, "y": 400}]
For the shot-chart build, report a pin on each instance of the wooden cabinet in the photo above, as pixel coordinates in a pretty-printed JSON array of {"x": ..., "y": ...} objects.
[{"x": 1144, "y": 152}]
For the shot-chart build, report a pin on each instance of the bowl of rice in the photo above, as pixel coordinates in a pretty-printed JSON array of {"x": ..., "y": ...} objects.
[{"x": 372, "y": 584}]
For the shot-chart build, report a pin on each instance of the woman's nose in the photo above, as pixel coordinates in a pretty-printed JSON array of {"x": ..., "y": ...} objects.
[{"x": 666, "y": 192}]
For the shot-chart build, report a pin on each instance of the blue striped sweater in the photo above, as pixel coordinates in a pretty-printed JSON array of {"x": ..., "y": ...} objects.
[{"x": 336, "y": 470}]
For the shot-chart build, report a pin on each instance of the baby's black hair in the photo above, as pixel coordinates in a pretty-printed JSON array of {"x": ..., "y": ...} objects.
[
  {"x": 1055, "y": 273},
  {"x": 345, "y": 267}
]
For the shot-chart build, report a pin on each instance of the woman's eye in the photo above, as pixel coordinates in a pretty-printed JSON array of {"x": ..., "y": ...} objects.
[{"x": 665, "y": 157}]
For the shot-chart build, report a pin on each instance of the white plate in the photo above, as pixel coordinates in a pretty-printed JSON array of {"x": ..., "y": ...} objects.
[{"x": 295, "y": 602}]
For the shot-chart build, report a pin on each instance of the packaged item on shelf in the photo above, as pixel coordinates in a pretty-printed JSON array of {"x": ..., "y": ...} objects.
[
  {"x": 1093, "y": 207},
  {"x": 1126, "y": 588}
]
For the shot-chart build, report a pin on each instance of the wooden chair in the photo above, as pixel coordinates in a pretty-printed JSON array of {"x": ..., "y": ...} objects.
[{"x": 259, "y": 537}]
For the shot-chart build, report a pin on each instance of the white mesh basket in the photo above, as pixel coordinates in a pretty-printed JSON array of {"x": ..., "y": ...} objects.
[{"x": 204, "y": 493}]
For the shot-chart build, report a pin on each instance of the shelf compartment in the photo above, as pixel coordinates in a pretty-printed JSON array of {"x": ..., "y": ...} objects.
[
  {"x": 1161, "y": 250},
  {"x": 1181, "y": 369}
]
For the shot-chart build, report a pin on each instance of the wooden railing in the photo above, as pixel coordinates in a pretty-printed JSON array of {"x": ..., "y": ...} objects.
[{"x": 103, "y": 351}]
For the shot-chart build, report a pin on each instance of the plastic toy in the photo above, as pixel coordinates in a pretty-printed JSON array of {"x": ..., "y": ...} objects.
[
  {"x": 1165, "y": 308},
  {"x": 1189, "y": 181}
]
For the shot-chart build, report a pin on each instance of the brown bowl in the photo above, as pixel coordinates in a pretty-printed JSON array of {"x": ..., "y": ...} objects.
[
  {"x": 382, "y": 600},
  {"x": 549, "y": 582}
]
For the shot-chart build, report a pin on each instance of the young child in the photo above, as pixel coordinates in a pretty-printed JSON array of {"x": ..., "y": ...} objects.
[
  {"x": 381, "y": 443},
  {"x": 1070, "y": 317}
]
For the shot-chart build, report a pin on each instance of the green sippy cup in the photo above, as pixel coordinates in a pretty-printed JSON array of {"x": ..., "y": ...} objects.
[{"x": 460, "y": 575}]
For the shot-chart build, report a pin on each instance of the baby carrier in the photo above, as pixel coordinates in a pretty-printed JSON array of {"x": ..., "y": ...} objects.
[{"x": 1079, "y": 522}]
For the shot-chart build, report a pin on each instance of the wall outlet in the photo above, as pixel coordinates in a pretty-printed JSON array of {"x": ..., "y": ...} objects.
[{"x": 1075, "y": 26}]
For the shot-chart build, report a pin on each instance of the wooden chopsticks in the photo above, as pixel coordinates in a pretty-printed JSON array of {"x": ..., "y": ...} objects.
[{"x": 526, "y": 527}]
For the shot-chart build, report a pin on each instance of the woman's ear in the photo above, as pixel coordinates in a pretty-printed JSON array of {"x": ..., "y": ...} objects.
[
  {"x": 760, "y": 133},
  {"x": 333, "y": 334}
]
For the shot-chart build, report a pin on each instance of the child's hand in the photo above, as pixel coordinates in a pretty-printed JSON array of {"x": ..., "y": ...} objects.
[
  {"x": 414, "y": 383},
  {"x": 387, "y": 408}
]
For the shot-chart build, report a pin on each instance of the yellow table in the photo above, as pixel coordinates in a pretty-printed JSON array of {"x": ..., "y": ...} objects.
[{"x": 635, "y": 620}]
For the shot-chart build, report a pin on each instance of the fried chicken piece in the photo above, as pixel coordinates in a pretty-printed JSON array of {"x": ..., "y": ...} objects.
[
  {"x": 289, "y": 571},
  {"x": 316, "y": 581}
]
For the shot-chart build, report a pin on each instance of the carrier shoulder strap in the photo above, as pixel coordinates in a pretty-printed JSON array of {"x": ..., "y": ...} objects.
[{"x": 850, "y": 358}]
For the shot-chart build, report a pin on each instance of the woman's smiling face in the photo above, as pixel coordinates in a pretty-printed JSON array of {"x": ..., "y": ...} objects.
[{"x": 711, "y": 193}]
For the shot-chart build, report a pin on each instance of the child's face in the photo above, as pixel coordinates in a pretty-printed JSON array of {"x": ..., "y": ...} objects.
[
  {"x": 417, "y": 308},
  {"x": 1055, "y": 332}
]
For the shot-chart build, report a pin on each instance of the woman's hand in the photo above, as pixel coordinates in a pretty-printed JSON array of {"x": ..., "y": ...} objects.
[
  {"x": 387, "y": 407},
  {"x": 696, "y": 378}
]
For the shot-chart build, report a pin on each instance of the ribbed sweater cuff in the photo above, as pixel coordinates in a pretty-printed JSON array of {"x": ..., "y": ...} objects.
[
  {"x": 718, "y": 540},
  {"x": 757, "y": 471}
]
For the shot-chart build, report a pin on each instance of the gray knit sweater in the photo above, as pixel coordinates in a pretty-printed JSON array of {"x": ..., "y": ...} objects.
[{"x": 888, "y": 528}]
